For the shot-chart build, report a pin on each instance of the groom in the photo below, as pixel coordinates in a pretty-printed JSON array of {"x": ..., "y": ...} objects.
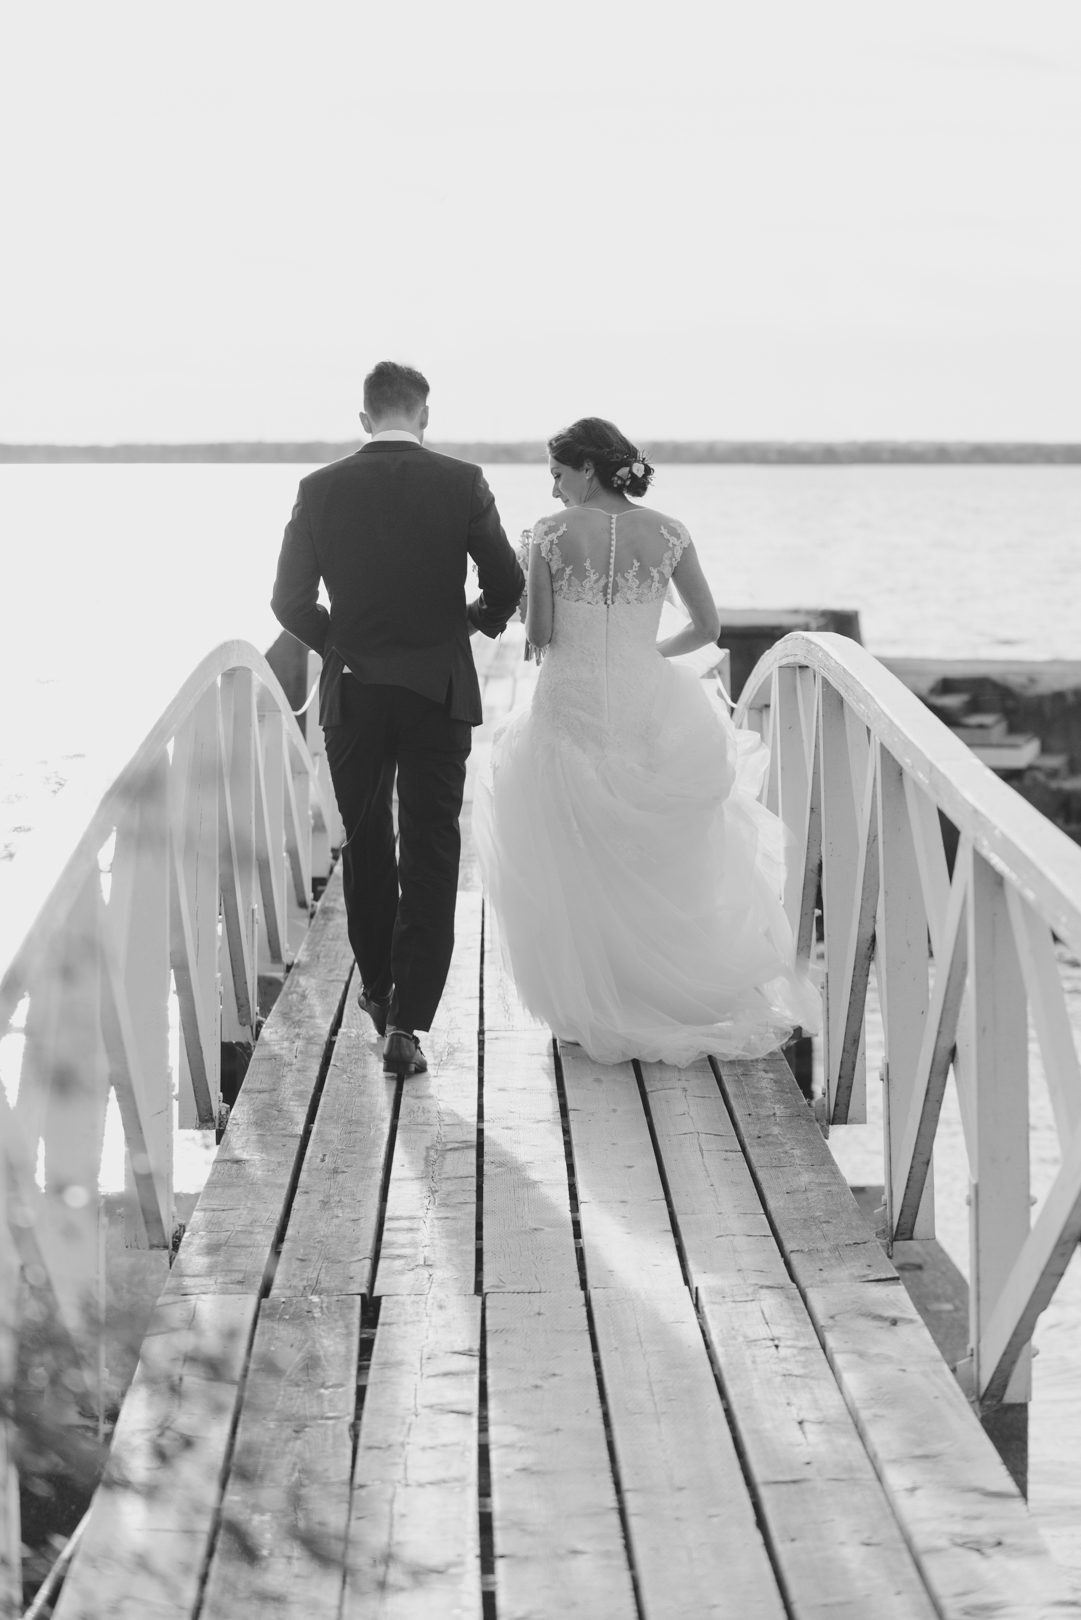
[{"x": 390, "y": 530}]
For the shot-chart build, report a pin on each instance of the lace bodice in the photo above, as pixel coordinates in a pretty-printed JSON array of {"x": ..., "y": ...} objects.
[
  {"x": 579, "y": 581},
  {"x": 601, "y": 669}
]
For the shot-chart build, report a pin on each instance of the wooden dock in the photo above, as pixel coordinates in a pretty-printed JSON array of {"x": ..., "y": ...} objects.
[{"x": 530, "y": 1336}]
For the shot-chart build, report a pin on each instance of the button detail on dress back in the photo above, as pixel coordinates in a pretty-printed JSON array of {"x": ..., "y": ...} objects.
[{"x": 612, "y": 560}]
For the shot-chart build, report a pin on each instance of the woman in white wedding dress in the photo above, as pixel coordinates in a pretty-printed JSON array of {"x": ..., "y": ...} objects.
[{"x": 635, "y": 879}]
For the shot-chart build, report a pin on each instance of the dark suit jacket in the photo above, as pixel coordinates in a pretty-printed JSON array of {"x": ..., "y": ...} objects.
[{"x": 390, "y": 530}]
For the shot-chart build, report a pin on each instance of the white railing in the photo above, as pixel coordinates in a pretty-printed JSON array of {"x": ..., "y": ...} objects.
[
  {"x": 191, "y": 873},
  {"x": 860, "y": 770}
]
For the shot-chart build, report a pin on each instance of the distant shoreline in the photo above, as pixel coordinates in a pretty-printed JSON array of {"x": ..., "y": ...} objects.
[{"x": 732, "y": 452}]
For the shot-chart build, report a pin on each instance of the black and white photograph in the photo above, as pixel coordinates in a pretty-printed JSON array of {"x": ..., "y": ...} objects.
[{"x": 540, "y": 810}]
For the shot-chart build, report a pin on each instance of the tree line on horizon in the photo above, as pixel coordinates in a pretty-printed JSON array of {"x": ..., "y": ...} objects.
[{"x": 779, "y": 452}]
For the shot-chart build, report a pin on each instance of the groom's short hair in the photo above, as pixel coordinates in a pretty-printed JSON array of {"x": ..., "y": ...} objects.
[{"x": 394, "y": 390}]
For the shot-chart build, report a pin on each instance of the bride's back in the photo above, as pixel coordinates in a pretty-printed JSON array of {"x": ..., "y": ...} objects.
[{"x": 610, "y": 558}]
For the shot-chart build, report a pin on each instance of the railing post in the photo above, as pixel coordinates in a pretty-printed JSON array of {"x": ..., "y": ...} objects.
[
  {"x": 999, "y": 1216},
  {"x": 138, "y": 917},
  {"x": 197, "y": 892},
  {"x": 300, "y": 909},
  {"x": 840, "y": 870},
  {"x": 270, "y": 833},
  {"x": 901, "y": 963},
  {"x": 330, "y": 836},
  {"x": 793, "y": 773},
  {"x": 241, "y": 742}
]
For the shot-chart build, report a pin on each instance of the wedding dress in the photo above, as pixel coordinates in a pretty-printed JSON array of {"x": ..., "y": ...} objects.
[{"x": 635, "y": 879}]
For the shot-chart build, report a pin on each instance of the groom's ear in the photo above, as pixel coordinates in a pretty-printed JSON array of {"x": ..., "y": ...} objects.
[
  {"x": 366, "y": 422},
  {"x": 423, "y": 418}
]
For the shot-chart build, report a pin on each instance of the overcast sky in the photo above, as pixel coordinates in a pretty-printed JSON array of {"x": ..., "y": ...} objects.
[{"x": 760, "y": 218}]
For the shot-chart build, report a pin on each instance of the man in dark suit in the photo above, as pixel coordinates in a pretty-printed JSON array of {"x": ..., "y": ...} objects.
[{"x": 390, "y": 530}]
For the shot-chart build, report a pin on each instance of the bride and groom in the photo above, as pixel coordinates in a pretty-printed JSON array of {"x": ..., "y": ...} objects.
[{"x": 634, "y": 877}]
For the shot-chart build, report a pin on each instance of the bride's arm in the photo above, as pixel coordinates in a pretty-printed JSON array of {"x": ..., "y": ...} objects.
[
  {"x": 693, "y": 587},
  {"x": 539, "y": 613}
]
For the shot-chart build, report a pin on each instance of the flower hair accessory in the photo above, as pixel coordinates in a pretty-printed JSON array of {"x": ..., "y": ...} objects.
[{"x": 637, "y": 469}]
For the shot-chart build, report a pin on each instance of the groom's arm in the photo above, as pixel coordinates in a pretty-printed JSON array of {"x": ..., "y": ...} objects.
[
  {"x": 501, "y": 579},
  {"x": 295, "y": 601}
]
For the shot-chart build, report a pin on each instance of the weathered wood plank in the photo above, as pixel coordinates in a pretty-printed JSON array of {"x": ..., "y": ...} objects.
[
  {"x": 528, "y": 1236},
  {"x": 326, "y": 952},
  {"x": 281, "y": 1547},
  {"x": 697, "y": 1547},
  {"x": 414, "y": 1546},
  {"x": 151, "y": 1521},
  {"x": 277, "y": 1089},
  {"x": 455, "y": 1027},
  {"x": 429, "y": 1230},
  {"x": 722, "y": 1226},
  {"x": 226, "y": 1252},
  {"x": 559, "y": 1546},
  {"x": 228, "y": 1247},
  {"x": 229, "y": 1244},
  {"x": 834, "y": 1537},
  {"x": 941, "y": 1473},
  {"x": 961, "y": 1513},
  {"x": 820, "y": 1229},
  {"x": 330, "y": 1242},
  {"x": 626, "y": 1231}
]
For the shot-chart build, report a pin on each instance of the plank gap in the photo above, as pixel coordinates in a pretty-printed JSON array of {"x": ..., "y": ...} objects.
[
  {"x": 309, "y": 1124},
  {"x": 752, "y": 1168},
  {"x": 613, "y": 1460},
  {"x": 594, "y": 1345},
  {"x": 677, "y": 1236},
  {"x": 226, "y": 1468},
  {"x": 478, "y": 1263},
  {"x": 744, "y": 1461},
  {"x": 369, "y": 1327},
  {"x": 267, "y": 1283},
  {"x": 384, "y": 1180},
  {"x": 572, "y": 1178},
  {"x": 413, "y": 1510},
  {"x": 485, "y": 1517}
]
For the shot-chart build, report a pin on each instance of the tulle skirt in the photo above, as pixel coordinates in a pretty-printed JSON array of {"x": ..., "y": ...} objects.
[{"x": 637, "y": 889}]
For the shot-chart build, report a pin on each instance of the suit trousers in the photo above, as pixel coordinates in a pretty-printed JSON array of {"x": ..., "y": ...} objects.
[{"x": 400, "y": 909}]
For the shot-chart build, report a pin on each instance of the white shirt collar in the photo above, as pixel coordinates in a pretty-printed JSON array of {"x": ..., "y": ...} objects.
[{"x": 394, "y": 433}]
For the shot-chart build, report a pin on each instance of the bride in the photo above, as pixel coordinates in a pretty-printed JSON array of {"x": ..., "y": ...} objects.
[{"x": 635, "y": 879}]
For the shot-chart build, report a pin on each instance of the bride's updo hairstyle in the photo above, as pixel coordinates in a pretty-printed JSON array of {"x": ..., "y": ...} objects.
[{"x": 618, "y": 465}]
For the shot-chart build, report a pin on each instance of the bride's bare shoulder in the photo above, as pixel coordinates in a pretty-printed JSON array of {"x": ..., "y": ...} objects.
[
  {"x": 551, "y": 520},
  {"x": 663, "y": 520}
]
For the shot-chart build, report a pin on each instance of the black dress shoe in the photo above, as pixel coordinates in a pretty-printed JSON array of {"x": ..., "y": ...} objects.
[
  {"x": 402, "y": 1054},
  {"x": 376, "y": 1009}
]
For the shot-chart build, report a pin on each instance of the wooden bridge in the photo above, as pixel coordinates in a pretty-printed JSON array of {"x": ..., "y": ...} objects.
[{"x": 530, "y": 1336}]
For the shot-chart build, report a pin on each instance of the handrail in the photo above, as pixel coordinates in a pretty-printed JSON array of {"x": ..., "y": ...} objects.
[
  {"x": 1035, "y": 855},
  {"x": 190, "y": 866},
  {"x": 862, "y": 775},
  {"x": 24, "y": 916}
]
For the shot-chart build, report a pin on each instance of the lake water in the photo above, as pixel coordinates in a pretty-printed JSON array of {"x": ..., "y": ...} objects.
[{"x": 117, "y": 579}]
